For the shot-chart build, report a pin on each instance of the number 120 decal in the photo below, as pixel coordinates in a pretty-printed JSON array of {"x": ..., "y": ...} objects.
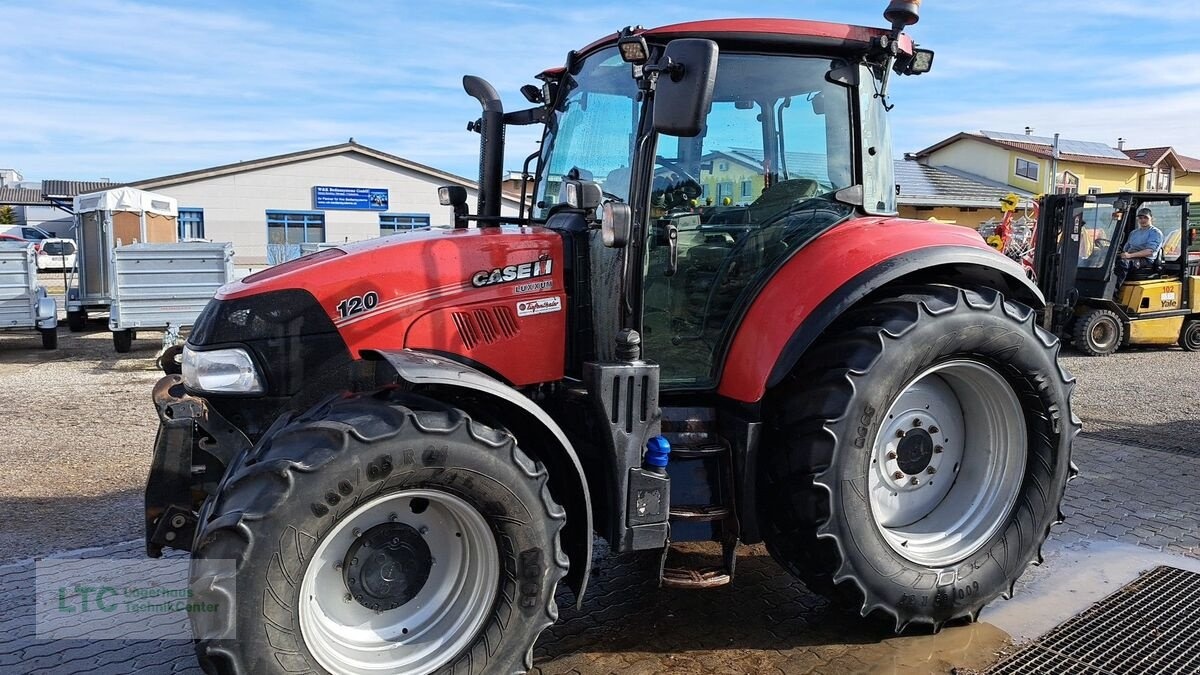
[{"x": 357, "y": 304}]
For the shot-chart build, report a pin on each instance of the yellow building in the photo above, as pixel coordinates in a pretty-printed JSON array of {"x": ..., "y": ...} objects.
[{"x": 1027, "y": 162}]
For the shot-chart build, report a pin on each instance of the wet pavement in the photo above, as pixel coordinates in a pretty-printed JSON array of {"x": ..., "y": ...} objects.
[{"x": 1131, "y": 508}]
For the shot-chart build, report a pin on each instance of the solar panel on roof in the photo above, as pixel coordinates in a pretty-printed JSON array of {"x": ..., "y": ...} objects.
[
  {"x": 1017, "y": 138},
  {"x": 1086, "y": 148}
]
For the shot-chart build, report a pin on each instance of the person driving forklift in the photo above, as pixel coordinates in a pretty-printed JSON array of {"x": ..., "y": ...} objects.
[{"x": 1141, "y": 248}]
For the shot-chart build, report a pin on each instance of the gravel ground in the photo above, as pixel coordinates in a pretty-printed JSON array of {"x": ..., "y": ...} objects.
[
  {"x": 1146, "y": 397},
  {"x": 77, "y": 429},
  {"x": 76, "y": 432}
]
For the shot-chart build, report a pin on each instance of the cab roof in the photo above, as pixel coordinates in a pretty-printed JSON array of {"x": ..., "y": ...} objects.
[{"x": 762, "y": 33}]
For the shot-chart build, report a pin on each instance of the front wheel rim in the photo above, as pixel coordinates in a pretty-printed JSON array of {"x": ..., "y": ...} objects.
[
  {"x": 427, "y": 630},
  {"x": 1103, "y": 335},
  {"x": 948, "y": 463}
]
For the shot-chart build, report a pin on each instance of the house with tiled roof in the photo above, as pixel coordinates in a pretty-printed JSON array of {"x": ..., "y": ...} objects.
[
  {"x": 1028, "y": 162},
  {"x": 1167, "y": 170}
]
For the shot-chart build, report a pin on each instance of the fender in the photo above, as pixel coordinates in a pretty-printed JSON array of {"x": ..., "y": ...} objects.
[
  {"x": 423, "y": 369},
  {"x": 47, "y": 310},
  {"x": 839, "y": 269}
]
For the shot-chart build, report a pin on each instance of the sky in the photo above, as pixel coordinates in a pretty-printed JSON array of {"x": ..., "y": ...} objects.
[{"x": 132, "y": 89}]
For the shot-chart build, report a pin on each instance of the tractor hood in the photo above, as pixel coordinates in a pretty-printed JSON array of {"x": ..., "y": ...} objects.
[
  {"x": 415, "y": 270},
  {"x": 492, "y": 296}
]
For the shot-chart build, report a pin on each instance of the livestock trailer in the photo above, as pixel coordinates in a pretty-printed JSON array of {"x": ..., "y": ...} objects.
[{"x": 103, "y": 221}]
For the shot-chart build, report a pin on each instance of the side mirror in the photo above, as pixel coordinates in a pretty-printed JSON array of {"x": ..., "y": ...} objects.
[
  {"x": 615, "y": 224},
  {"x": 687, "y": 72}
]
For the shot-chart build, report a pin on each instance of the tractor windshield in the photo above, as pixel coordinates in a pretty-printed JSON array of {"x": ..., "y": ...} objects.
[{"x": 592, "y": 132}]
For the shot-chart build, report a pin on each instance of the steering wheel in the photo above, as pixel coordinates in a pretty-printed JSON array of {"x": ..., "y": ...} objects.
[{"x": 674, "y": 166}]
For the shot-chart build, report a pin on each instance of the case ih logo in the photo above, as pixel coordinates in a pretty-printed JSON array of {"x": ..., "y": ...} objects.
[
  {"x": 543, "y": 306},
  {"x": 502, "y": 275}
]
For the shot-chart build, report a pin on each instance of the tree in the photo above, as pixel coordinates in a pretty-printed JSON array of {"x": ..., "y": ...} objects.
[{"x": 7, "y": 216}]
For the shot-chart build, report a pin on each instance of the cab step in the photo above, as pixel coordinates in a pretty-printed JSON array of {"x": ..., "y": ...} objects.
[{"x": 702, "y": 502}]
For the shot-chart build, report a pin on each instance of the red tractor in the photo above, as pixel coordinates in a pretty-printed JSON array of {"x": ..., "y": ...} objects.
[{"x": 707, "y": 326}]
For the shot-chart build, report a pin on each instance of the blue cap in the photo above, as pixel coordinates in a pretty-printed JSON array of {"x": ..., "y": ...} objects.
[{"x": 658, "y": 450}]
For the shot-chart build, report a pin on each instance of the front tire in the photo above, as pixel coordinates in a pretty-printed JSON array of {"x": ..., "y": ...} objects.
[
  {"x": 373, "y": 537},
  {"x": 1098, "y": 332},
  {"x": 922, "y": 452}
]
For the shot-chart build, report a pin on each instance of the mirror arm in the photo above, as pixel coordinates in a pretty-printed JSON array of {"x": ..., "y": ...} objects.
[{"x": 535, "y": 115}]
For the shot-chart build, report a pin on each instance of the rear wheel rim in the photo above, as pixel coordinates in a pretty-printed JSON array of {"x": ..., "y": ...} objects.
[
  {"x": 948, "y": 463},
  {"x": 427, "y": 630}
]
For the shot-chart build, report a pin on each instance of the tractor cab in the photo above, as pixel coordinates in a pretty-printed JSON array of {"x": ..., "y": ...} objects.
[
  {"x": 1080, "y": 238},
  {"x": 775, "y": 133}
]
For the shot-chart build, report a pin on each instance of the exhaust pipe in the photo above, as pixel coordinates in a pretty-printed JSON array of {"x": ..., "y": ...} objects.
[{"x": 491, "y": 144}]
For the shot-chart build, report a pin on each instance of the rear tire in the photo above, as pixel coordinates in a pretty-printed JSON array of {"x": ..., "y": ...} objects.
[
  {"x": 49, "y": 338},
  {"x": 1189, "y": 337},
  {"x": 1098, "y": 332},
  {"x": 974, "y": 387},
  {"x": 465, "y": 504},
  {"x": 122, "y": 341},
  {"x": 77, "y": 320}
]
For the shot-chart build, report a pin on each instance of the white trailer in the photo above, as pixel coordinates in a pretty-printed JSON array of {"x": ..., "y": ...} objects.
[
  {"x": 24, "y": 305},
  {"x": 164, "y": 286}
]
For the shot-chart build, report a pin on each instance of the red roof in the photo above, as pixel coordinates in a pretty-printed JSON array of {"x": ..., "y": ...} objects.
[
  {"x": 1189, "y": 163},
  {"x": 762, "y": 28},
  {"x": 1147, "y": 156}
]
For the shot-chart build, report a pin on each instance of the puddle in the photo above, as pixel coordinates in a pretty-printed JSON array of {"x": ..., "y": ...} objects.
[
  {"x": 1071, "y": 580},
  {"x": 973, "y": 647}
]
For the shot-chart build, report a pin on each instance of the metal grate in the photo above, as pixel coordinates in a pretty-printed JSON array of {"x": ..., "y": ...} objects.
[{"x": 1149, "y": 627}]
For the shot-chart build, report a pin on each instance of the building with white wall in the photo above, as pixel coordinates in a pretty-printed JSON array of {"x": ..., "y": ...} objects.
[{"x": 269, "y": 207}]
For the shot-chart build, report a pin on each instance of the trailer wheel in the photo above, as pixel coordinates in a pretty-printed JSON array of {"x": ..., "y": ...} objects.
[
  {"x": 1098, "y": 332},
  {"x": 1189, "y": 337},
  {"x": 49, "y": 338},
  {"x": 171, "y": 360},
  {"x": 371, "y": 537},
  {"x": 122, "y": 341},
  {"x": 921, "y": 455},
  {"x": 77, "y": 320}
]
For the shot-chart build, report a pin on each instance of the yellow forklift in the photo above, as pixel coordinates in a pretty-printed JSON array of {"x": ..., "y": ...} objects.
[{"x": 1079, "y": 238}]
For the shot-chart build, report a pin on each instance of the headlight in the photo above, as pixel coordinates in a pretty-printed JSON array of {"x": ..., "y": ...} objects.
[{"x": 221, "y": 371}]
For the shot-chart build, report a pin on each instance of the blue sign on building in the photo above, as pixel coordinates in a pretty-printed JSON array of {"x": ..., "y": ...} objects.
[{"x": 350, "y": 198}]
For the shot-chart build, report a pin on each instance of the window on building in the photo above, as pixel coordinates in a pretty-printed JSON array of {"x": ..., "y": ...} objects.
[
  {"x": 288, "y": 231},
  {"x": 1094, "y": 190},
  {"x": 747, "y": 188},
  {"x": 191, "y": 223},
  {"x": 1067, "y": 183},
  {"x": 392, "y": 223},
  {"x": 1158, "y": 180},
  {"x": 1027, "y": 169}
]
